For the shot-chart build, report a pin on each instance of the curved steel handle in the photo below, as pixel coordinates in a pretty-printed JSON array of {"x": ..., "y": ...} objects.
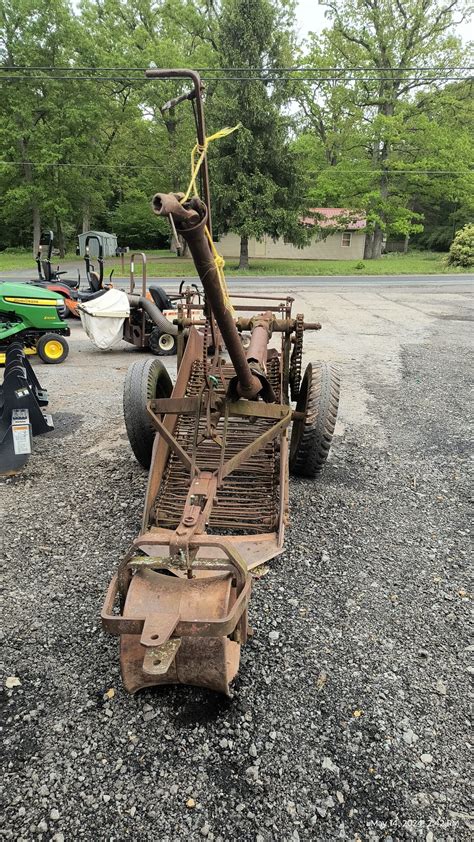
[
  {"x": 132, "y": 271},
  {"x": 184, "y": 73},
  {"x": 193, "y": 75}
]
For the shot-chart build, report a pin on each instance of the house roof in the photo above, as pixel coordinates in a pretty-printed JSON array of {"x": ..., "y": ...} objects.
[
  {"x": 335, "y": 217},
  {"x": 97, "y": 233}
]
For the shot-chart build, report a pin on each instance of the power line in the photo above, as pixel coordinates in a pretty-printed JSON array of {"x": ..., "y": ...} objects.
[
  {"x": 306, "y": 68},
  {"x": 344, "y": 78}
]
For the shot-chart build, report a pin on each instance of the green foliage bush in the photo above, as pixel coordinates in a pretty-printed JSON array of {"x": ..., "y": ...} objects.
[
  {"x": 136, "y": 226},
  {"x": 461, "y": 252}
]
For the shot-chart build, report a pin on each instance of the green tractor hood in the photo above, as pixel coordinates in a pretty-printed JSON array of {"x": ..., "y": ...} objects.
[{"x": 26, "y": 309}]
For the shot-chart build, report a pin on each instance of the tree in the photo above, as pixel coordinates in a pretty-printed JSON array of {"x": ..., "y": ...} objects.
[
  {"x": 81, "y": 147},
  {"x": 331, "y": 139},
  {"x": 445, "y": 147},
  {"x": 399, "y": 47},
  {"x": 255, "y": 177},
  {"x": 31, "y": 32}
]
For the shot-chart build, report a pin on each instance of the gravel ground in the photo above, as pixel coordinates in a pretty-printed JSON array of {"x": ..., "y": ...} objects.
[{"x": 349, "y": 718}]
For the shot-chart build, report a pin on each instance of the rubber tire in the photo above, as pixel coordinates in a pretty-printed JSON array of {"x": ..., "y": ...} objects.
[
  {"x": 145, "y": 380},
  {"x": 153, "y": 343},
  {"x": 311, "y": 437},
  {"x": 43, "y": 340}
]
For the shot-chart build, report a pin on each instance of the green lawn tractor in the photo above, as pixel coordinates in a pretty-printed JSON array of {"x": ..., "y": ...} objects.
[{"x": 30, "y": 315}]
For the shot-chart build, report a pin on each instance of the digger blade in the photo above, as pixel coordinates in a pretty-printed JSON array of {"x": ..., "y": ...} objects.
[{"x": 156, "y": 656}]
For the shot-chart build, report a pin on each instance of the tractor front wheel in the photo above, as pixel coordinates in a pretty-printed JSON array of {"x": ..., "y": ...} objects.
[
  {"x": 312, "y": 432},
  {"x": 52, "y": 348}
]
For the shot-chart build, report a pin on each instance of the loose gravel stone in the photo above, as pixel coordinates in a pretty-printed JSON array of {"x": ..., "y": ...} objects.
[
  {"x": 409, "y": 737},
  {"x": 441, "y": 688},
  {"x": 367, "y": 593}
]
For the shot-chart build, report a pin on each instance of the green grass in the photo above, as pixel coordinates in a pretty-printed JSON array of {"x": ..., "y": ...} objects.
[
  {"x": 9, "y": 261},
  {"x": 162, "y": 264},
  {"x": 413, "y": 263}
]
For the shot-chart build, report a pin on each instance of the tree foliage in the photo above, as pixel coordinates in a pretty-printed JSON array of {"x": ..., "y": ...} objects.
[
  {"x": 369, "y": 121},
  {"x": 257, "y": 185},
  {"x": 387, "y": 134}
]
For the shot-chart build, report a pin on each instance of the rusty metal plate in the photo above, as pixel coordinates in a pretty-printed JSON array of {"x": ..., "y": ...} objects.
[{"x": 157, "y": 661}]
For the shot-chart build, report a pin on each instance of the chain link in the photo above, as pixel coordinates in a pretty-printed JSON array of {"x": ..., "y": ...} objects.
[{"x": 296, "y": 360}]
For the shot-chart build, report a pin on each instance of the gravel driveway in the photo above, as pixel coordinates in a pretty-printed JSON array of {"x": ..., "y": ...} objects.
[{"x": 349, "y": 719}]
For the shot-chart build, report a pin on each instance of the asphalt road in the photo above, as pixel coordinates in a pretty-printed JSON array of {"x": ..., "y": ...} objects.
[
  {"x": 350, "y": 716},
  {"x": 290, "y": 282},
  {"x": 293, "y": 282}
]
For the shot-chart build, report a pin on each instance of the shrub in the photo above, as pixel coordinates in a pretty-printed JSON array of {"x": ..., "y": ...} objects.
[
  {"x": 461, "y": 251},
  {"x": 136, "y": 226}
]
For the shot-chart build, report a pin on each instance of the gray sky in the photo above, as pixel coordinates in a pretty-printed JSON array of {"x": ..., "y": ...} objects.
[{"x": 310, "y": 17}]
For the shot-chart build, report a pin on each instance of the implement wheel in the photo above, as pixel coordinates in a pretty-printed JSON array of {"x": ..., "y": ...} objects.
[
  {"x": 52, "y": 348},
  {"x": 145, "y": 380},
  {"x": 162, "y": 344},
  {"x": 311, "y": 436}
]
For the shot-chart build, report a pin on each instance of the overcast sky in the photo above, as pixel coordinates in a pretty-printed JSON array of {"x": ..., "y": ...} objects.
[{"x": 310, "y": 16}]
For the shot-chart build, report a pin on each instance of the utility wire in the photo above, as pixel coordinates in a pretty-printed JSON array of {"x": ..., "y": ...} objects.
[
  {"x": 344, "y": 78},
  {"x": 306, "y": 68}
]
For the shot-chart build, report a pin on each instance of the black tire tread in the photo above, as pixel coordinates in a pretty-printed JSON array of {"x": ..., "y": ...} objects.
[
  {"x": 145, "y": 380},
  {"x": 315, "y": 436},
  {"x": 154, "y": 346}
]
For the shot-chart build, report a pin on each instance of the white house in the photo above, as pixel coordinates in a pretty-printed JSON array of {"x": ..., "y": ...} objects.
[{"x": 341, "y": 236}]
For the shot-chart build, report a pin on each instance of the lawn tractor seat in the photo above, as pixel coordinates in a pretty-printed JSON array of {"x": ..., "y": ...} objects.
[
  {"x": 90, "y": 296},
  {"x": 53, "y": 274},
  {"x": 94, "y": 281},
  {"x": 160, "y": 297},
  {"x": 72, "y": 283}
]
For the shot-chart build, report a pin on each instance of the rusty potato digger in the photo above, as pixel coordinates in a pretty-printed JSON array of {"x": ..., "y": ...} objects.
[{"x": 218, "y": 448}]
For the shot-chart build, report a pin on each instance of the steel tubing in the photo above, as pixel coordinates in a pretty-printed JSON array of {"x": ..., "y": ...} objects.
[
  {"x": 249, "y": 385},
  {"x": 260, "y": 336},
  {"x": 277, "y": 325},
  {"x": 184, "y": 73}
]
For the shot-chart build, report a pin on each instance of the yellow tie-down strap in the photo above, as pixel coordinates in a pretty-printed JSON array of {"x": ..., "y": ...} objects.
[{"x": 198, "y": 154}]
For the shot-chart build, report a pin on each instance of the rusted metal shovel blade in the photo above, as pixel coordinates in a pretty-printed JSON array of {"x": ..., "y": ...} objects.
[{"x": 156, "y": 657}]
